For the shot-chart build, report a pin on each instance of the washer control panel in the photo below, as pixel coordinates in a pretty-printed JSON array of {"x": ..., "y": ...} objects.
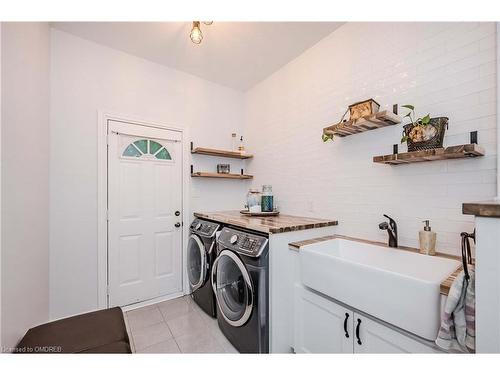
[
  {"x": 204, "y": 228},
  {"x": 242, "y": 242}
]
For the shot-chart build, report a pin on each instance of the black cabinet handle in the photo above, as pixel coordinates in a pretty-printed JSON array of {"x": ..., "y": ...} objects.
[
  {"x": 177, "y": 225},
  {"x": 177, "y": 213},
  {"x": 357, "y": 331},
  {"x": 345, "y": 325}
]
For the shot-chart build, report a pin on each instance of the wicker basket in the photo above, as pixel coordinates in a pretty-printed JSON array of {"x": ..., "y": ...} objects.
[{"x": 436, "y": 141}]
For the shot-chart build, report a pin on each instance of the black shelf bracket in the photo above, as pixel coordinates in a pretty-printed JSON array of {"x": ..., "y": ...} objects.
[{"x": 473, "y": 137}]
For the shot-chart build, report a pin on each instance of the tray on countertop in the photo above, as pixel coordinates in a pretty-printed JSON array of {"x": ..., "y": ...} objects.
[{"x": 262, "y": 214}]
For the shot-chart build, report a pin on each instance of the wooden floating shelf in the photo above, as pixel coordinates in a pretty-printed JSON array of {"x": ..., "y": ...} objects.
[
  {"x": 222, "y": 175},
  {"x": 221, "y": 153},
  {"x": 363, "y": 124},
  {"x": 453, "y": 152}
]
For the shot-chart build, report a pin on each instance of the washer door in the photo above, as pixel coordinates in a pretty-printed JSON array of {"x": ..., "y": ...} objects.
[
  {"x": 196, "y": 262},
  {"x": 233, "y": 288}
]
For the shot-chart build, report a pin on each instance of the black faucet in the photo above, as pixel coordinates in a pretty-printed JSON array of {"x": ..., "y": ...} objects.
[{"x": 392, "y": 229}]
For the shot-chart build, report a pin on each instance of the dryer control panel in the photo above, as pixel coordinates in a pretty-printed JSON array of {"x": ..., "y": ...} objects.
[
  {"x": 242, "y": 242},
  {"x": 204, "y": 228}
]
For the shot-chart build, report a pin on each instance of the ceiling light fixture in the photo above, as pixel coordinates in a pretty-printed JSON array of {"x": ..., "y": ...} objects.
[{"x": 196, "y": 35}]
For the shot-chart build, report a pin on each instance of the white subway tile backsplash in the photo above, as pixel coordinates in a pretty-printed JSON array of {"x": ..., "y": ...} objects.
[
  {"x": 447, "y": 69},
  {"x": 489, "y": 42},
  {"x": 484, "y": 56},
  {"x": 488, "y": 68}
]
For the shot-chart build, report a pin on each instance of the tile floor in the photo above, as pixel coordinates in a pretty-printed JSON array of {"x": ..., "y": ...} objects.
[{"x": 175, "y": 326}]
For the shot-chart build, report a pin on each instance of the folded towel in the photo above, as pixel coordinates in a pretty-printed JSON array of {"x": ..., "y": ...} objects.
[{"x": 458, "y": 325}]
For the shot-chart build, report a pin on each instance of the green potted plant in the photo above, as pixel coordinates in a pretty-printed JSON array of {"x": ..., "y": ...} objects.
[
  {"x": 326, "y": 137},
  {"x": 423, "y": 133}
]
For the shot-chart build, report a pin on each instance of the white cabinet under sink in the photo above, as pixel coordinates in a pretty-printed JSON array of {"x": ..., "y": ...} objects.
[
  {"x": 319, "y": 324},
  {"x": 378, "y": 338},
  {"x": 323, "y": 326}
]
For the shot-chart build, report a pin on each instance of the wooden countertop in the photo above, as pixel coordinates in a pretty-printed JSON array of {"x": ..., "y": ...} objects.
[
  {"x": 445, "y": 285},
  {"x": 271, "y": 225},
  {"x": 485, "y": 209}
]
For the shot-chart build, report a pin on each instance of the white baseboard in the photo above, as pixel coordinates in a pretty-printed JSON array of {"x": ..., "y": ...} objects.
[{"x": 153, "y": 301}]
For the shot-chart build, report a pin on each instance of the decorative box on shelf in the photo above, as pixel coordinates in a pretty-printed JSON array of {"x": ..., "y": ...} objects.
[{"x": 362, "y": 109}]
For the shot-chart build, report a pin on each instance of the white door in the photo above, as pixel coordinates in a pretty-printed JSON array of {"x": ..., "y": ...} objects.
[
  {"x": 373, "y": 337},
  {"x": 321, "y": 326},
  {"x": 144, "y": 212}
]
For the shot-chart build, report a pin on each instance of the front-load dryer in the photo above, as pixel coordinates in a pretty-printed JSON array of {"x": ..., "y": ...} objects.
[
  {"x": 240, "y": 280},
  {"x": 201, "y": 253}
]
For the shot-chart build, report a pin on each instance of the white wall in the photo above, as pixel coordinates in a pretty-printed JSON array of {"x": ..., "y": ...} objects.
[
  {"x": 85, "y": 78},
  {"x": 25, "y": 178},
  {"x": 447, "y": 69}
]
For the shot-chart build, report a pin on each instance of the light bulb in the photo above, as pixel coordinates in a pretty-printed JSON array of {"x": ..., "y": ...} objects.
[{"x": 196, "y": 34}]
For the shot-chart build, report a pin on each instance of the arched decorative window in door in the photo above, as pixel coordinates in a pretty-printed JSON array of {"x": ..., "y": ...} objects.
[{"x": 146, "y": 148}]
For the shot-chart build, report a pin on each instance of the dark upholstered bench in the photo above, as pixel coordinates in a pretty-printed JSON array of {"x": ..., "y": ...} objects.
[{"x": 100, "y": 331}]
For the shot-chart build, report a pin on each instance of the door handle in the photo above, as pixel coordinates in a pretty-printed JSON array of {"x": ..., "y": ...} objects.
[
  {"x": 345, "y": 324},
  {"x": 357, "y": 332},
  {"x": 177, "y": 225},
  {"x": 177, "y": 213}
]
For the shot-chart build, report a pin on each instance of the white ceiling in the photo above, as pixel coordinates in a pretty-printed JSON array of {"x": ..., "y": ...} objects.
[{"x": 234, "y": 54}]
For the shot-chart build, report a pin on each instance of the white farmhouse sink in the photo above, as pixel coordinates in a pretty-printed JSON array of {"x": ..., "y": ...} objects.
[{"x": 396, "y": 286}]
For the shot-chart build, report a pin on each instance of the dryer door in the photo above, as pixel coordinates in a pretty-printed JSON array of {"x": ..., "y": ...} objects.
[
  {"x": 233, "y": 288},
  {"x": 196, "y": 262}
]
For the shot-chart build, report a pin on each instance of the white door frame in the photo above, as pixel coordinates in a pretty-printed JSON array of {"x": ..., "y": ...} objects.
[{"x": 102, "y": 197}]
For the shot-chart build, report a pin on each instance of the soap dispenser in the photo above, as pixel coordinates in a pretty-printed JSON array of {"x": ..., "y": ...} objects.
[{"x": 427, "y": 240}]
